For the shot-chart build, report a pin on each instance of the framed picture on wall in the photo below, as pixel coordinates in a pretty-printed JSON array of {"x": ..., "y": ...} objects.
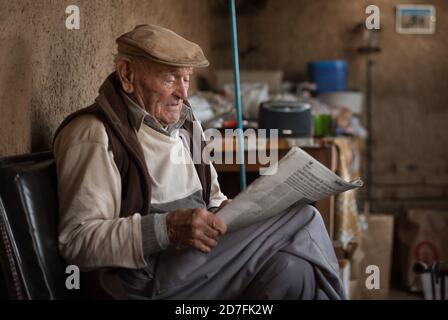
[{"x": 415, "y": 19}]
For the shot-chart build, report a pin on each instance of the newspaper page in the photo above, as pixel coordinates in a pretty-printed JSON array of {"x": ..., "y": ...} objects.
[{"x": 300, "y": 179}]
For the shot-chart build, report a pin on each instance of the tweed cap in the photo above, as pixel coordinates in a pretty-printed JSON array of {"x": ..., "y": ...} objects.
[{"x": 161, "y": 45}]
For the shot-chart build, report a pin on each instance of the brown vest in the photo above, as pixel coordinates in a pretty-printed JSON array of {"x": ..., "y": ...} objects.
[
  {"x": 128, "y": 154},
  {"x": 111, "y": 110}
]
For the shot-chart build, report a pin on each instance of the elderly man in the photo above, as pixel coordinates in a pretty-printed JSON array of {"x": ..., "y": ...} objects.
[{"x": 125, "y": 206}]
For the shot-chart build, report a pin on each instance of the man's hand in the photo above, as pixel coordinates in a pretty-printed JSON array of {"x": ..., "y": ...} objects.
[{"x": 195, "y": 227}]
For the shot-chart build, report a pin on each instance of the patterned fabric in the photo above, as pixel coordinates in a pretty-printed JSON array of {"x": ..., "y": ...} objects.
[{"x": 347, "y": 226}]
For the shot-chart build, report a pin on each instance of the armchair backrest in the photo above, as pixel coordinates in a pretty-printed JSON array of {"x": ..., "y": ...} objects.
[{"x": 30, "y": 264}]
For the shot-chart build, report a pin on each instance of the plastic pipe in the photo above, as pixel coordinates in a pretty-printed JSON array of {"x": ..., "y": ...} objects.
[{"x": 236, "y": 77}]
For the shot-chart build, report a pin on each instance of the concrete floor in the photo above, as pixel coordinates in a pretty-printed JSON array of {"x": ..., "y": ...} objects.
[{"x": 399, "y": 294}]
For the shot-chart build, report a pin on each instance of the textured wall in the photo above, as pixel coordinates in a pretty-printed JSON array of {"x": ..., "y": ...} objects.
[
  {"x": 410, "y": 78},
  {"x": 48, "y": 71}
]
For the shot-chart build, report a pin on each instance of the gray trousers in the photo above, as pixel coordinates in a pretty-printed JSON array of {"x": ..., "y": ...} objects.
[
  {"x": 289, "y": 256},
  {"x": 283, "y": 277}
]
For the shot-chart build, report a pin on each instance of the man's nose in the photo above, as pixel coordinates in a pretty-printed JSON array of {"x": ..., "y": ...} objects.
[{"x": 182, "y": 90}]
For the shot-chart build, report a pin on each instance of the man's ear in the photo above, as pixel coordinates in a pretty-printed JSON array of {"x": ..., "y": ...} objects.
[{"x": 126, "y": 75}]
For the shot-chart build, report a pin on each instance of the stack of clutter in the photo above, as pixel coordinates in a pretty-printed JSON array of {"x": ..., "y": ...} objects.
[
  {"x": 344, "y": 106},
  {"x": 215, "y": 109},
  {"x": 211, "y": 109},
  {"x": 365, "y": 265},
  {"x": 346, "y": 110},
  {"x": 335, "y": 111}
]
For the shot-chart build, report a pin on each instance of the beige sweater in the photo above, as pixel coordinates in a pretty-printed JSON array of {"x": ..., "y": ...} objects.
[{"x": 91, "y": 233}]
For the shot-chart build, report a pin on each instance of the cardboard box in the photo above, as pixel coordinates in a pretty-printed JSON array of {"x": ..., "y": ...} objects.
[{"x": 377, "y": 242}]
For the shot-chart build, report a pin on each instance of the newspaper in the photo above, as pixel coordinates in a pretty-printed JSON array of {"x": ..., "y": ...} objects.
[{"x": 300, "y": 179}]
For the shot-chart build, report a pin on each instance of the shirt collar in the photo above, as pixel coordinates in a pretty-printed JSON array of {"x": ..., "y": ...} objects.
[{"x": 138, "y": 116}]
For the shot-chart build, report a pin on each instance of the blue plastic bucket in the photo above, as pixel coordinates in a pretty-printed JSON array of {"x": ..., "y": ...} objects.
[{"x": 329, "y": 75}]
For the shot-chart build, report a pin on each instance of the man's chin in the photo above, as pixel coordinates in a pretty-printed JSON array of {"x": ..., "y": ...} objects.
[{"x": 170, "y": 119}]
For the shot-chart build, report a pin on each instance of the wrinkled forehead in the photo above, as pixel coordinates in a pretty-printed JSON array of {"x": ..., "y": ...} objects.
[{"x": 179, "y": 71}]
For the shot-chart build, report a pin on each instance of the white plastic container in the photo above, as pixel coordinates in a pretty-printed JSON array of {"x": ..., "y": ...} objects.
[
  {"x": 427, "y": 287},
  {"x": 352, "y": 100}
]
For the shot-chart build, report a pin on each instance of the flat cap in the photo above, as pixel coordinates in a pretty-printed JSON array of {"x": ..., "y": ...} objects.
[{"x": 161, "y": 45}]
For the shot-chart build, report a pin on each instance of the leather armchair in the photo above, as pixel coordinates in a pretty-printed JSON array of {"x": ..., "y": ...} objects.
[{"x": 30, "y": 264}]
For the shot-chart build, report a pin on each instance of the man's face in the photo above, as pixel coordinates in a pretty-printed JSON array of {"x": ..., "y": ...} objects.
[{"x": 161, "y": 90}]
